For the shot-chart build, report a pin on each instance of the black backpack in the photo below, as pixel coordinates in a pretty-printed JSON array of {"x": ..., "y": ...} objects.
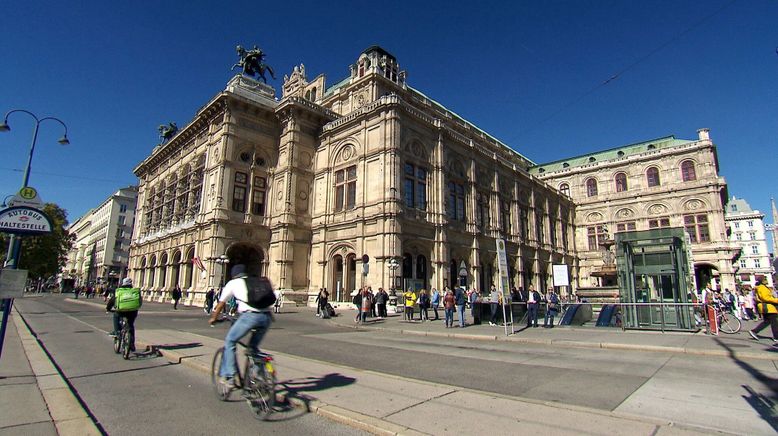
[{"x": 260, "y": 292}]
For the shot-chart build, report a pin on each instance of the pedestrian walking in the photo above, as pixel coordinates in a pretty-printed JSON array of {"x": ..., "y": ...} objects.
[
  {"x": 321, "y": 302},
  {"x": 552, "y": 308},
  {"x": 410, "y": 301},
  {"x": 750, "y": 303},
  {"x": 176, "y": 294},
  {"x": 766, "y": 306},
  {"x": 424, "y": 304},
  {"x": 367, "y": 304},
  {"x": 494, "y": 304},
  {"x": 533, "y": 298},
  {"x": 460, "y": 299},
  {"x": 435, "y": 302},
  {"x": 209, "y": 301},
  {"x": 357, "y": 301},
  {"x": 449, "y": 302},
  {"x": 474, "y": 300},
  {"x": 380, "y": 301}
]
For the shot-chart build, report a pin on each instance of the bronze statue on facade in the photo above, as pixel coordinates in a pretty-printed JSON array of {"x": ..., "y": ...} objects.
[
  {"x": 252, "y": 63},
  {"x": 167, "y": 132}
]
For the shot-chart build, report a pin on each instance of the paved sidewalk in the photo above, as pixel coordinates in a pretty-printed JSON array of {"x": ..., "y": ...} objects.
[
  {"x": 739, "y": 345},
  {"x": 34, "y": 398}
]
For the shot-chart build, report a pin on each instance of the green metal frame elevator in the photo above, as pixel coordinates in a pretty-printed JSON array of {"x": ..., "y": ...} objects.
[{"x": 654, "y": 280}]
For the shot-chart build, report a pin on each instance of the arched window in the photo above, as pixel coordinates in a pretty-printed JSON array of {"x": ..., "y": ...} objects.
[
  {"x": 591, "y": 187},
  {"x": 163, "y": 270},
  {"x": 652, "y": 177},
  {"x": 564, "y": 188},
  {"x": 142, "y": 272},
  {"x": 621, "y": 182},
  {"x": 688, "y": 172}
]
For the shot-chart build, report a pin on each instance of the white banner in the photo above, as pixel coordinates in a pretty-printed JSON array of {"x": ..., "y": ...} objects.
[{"x": 560, "y": 275}]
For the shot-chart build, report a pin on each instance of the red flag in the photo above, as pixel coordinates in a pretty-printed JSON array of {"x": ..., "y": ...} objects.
[{"x": 198, "y": 263}]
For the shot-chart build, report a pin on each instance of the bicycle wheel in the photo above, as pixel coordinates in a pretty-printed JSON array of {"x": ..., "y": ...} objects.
[
  {"x": 729, "y": 324},
  {"x": 125, "y": 343},
  {"x": 222, "y": 392},
  {"x": 260, "y": 387},
  {"x": 117, "y": 344}
]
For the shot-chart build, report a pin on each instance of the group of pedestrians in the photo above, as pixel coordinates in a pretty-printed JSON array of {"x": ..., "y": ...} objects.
[{"x": 369, "y": 304}]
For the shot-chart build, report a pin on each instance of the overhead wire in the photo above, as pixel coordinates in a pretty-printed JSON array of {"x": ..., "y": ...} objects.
[{"x": 625, "y": 69}]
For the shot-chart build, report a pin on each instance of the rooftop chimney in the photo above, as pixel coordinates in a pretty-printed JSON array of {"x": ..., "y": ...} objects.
[{"x": 704, "y": 134}]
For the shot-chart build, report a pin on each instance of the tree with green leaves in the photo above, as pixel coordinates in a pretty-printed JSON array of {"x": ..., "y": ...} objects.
[{"x": 44, "y": 255}]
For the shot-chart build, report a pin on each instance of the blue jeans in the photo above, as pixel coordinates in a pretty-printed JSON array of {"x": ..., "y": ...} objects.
[
  {"x": 259, "y": 321},
  {"x": 450, "y": 317},
  {"x": 461, "y": 312}
]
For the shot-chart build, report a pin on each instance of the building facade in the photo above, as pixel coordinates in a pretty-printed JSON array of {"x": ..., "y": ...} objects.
[
  {"x": 102, "y": 236},
  {"x": 665, "y": 182},
  {"x": 331, "y": 186},
  {"x": 747, "y": 231}
]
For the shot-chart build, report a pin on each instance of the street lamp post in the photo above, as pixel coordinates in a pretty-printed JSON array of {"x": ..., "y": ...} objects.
[
  {"x": 15, "y": 242},
  {"x": 222, "y": 260}
]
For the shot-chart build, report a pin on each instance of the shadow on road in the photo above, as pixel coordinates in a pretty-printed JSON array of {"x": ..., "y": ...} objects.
[
  {"x": 156, "y": 347},
  {"x": 297, "y": 389},
  {"x": 762, "y": 404}
]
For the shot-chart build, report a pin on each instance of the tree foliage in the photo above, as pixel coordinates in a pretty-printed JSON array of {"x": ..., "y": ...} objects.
[{"x": 44, "y": 255}]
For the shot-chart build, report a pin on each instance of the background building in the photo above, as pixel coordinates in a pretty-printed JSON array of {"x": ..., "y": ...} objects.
[
  {"x": 747, "y": 231},
  {"x": 102, "y": 237},
  {"x": 329, "y": 185},
  {"x": 664, "y": 182}
]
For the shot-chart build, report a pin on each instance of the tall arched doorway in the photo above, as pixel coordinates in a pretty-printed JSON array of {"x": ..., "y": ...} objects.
[{"x": 248, "y": 255}]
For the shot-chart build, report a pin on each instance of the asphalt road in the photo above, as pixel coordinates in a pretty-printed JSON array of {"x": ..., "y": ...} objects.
[
  {"x": 709, "y": 391},
  {"x": 147, "y": 395}
]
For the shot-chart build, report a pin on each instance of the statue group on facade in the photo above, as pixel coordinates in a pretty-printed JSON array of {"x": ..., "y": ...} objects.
[
  {"x": 166, "y": 132},
  {"x": 252, "y": 62}
]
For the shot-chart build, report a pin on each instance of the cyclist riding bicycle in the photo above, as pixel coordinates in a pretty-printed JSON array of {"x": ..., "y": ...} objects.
[
  {"x": 249, "y": 318},
  {"x": 125, "y": 302}
]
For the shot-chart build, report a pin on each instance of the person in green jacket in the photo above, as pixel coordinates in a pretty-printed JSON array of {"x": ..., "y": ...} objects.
[{"x": 125, "y": 302}]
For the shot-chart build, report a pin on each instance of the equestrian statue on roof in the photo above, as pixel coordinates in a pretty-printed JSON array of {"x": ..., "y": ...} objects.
[{"x": 252, "y": 63}]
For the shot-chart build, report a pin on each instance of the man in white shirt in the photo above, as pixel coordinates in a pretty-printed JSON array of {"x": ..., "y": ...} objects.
[{"x": 249, "y": 318}]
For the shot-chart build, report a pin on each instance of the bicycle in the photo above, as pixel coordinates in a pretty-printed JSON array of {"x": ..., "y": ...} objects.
[
  {"x": 257, "y": 381},
  {"x": 728, "y": 323},
  {"x": 121, "y": 342}
]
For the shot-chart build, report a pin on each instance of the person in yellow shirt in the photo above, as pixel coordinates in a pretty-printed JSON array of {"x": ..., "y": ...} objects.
[
  {"x": 410, "y": 301},
  {"x": 766, "y": 305}
]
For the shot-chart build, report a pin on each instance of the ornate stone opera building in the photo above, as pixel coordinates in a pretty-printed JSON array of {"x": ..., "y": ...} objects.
[{"x": 307, "y": 187}]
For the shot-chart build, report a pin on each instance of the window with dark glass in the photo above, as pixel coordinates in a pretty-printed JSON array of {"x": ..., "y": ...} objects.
[
  {"x": 482, "y": 210},
  {"x": 564, "y": 235},
  {"x": 591, "y": 187},
  {"x": 456, "y": 201},
  {"x": 697, "y": 227},
  {"x": 595, "y": 234},
  {"x": 346, "y": 188},
  {"x": 258, "y": 196},
  {"x": 415, "y": 184},
  {"x": 564, "y": 188},
  {"x": 505, "y": 217},
  {"x": 239, "y": 192},
  {"x": 658, "y": 223},
  {"x": 652, "y": 177},
  {"x": 539, "y": 230},
  {"x": 552, "y": 230},
  {"x": 688, "y": 172},
  {"x": 523, "y": 222},
  {"x": 621, "y": 182},
  {"x": 625, "y": 227}
]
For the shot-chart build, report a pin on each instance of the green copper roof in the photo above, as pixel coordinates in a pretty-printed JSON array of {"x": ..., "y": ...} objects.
[
  {"x": 621, "y": 152},
  {"x": 332, "y": 88}
]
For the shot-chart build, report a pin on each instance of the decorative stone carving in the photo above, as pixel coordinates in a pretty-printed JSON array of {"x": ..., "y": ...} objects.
[
  {"x": 594, "y": 217},
  {"x": 693, "y": 205},
  {"x": 657, "y": 209},
  {"x": 625, "y": 213},
  {"x": 347, "y": 153},
  {"x": 306, "y": 159}
]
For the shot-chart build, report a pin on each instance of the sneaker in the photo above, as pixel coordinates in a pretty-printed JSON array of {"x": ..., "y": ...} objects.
[
  {"x": 753, "y": 335},
  {"x": 227, "y": 383}
]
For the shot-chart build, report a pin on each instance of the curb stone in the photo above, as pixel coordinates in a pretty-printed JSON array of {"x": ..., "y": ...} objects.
[{"x": 571, "y": 343}]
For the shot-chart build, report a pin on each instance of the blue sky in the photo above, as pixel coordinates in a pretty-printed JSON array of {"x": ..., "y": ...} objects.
[{"x": 531, "y": 73}]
